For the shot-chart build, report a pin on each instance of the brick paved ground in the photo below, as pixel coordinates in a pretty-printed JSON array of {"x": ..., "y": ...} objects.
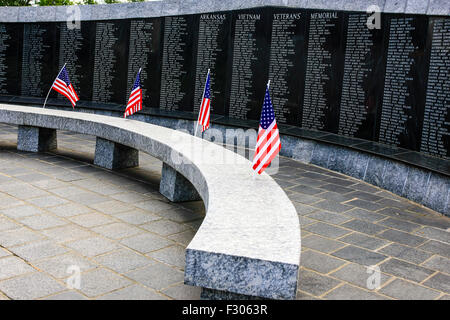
[{"x": 57, "y": 210}]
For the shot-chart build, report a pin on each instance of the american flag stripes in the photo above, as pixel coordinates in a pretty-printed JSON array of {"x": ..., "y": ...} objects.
[
  {"x": 203, "y": 116},
  {"x": 62, "y": 85},
  {"x": 268, "y": 142},
  {"x": 135, "y": 100}
]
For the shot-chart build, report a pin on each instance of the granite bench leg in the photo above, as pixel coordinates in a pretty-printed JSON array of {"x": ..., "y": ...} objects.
[
  {"x": 36, "y": 139},
  {"x": 112, "y": 155},
  {"x": 175, "y": 187}
]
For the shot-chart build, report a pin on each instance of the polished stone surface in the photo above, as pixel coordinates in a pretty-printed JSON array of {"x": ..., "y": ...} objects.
[
  {"x": 416, "y": 6},
  {"x": 438, "y": 7},
  {"x": 140, "y": 238},
  {"x": 36, "y": 139},
  {"x": 111, "y": 155},
  {"x": 395, "y": 6},
  {"x": 35, "y": 14},
  {"x": 253, "y": 277},
  {"x": 175, "y": 187},
  {"x": 9, "y": 15}
]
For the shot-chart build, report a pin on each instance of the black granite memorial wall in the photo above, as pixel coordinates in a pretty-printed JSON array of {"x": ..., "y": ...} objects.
[
  {"x": 110, "y": 68},
  {"x": 178, "y": 63},
  {"x": 405, "y": 80},
  {"x": 323, "y": 79},
  {"x": 363, "y": 79},
  {"x": 250, "y": 41},
  {"x": 10, "y": 67},
  {"x": 287, "y": 63},
  {"x": 329, "y": 72},
  {"x": 75, "y": 50},
  {"x": 213, "y": 51},
  {"x": 40, "y": 53},
  {"x": 145, "y": 52},
  {"x": 436, "y": 120}
]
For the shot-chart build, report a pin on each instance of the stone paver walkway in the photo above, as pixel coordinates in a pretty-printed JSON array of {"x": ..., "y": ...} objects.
[
  {"x": 58, "y": 212},
  {"x": 348, "y": 225}
]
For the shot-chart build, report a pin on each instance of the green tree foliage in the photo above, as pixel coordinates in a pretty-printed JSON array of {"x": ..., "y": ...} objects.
[
  {"x": 21, "y": 3},
  {"x": 54, "y": 2},
  {"x": 15, "y": 3}
]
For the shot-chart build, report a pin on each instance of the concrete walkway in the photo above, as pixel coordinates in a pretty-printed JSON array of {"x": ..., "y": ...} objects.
[{"x": 60, "y": 215}]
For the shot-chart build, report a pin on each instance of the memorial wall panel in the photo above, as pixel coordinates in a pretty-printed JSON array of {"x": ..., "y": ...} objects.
[
  {"x": 404, "y": 82},
  {"x": 39, "y": 58},
  {"x": 110, "y": 61},
  {"x": 287, "y": 63},
  {"x": 324, "y": 69},
  {"x": 362, "y": 84},
  {"x": 213, "y": 52},
  {"x": 11, "y": 36},
  {"x": 76, "y": 45},
  {"x": 178, "y": 63},
  {"x": 249, "y": 68},
  {"x": 145, "y": 52},
  {"x": 436, "y": 120}
]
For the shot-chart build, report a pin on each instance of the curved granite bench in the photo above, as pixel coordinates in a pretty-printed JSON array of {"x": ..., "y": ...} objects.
[{"x": 249, "y": 242}]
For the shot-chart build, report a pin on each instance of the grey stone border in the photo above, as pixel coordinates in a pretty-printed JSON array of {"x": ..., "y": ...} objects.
[
  {"x": 180, "y": 7},
  {"x": 36, "y": 139},
  {"x": 175, "y": 187},
  {"x": 200, "y": 266},
  {"x": 114, "y": 156},
  {"x": 420, "y": 185}
]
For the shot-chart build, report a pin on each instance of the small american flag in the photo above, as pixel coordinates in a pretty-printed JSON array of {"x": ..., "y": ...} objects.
[
  {"x": 135, "y": 100},
  {"x": 203, "y": 116},
  {"x": 268, "y": 142},
  {"x": 62, "y": 85}
]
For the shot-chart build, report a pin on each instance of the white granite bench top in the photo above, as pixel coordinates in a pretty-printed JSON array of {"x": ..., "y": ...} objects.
[{"x": 249, "y": 241}]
